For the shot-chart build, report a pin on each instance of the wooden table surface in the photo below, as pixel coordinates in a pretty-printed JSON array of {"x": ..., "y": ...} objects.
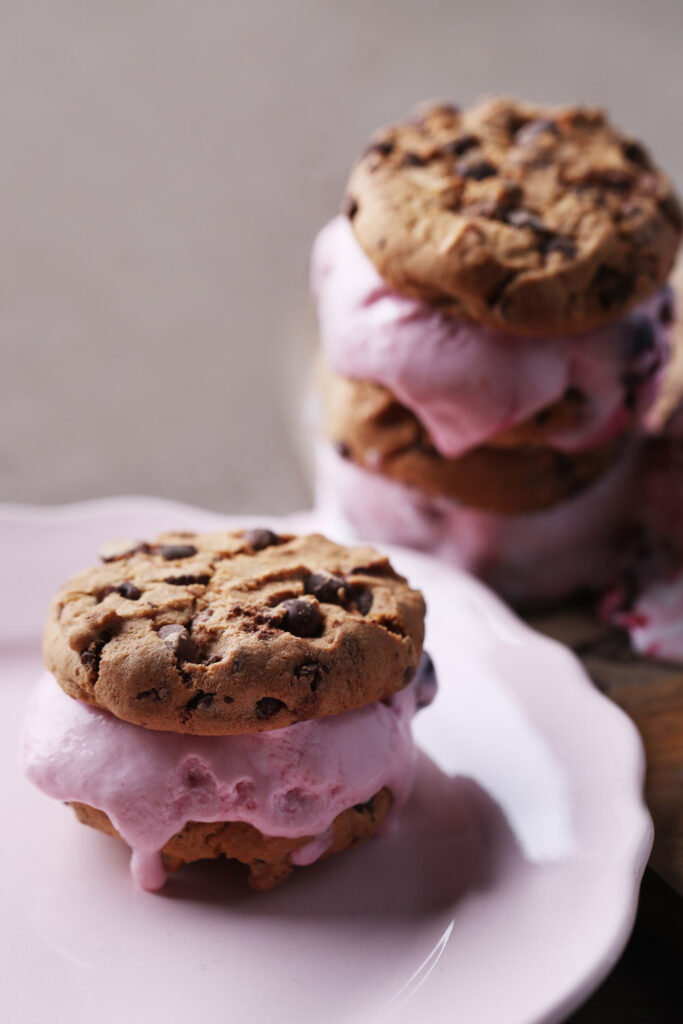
[
  {"x": 645, "y": 986},
  {"x": 651, "y": 693}
]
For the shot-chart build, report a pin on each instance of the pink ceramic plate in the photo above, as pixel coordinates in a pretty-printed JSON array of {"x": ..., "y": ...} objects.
[{"x": 504, "y": 897}]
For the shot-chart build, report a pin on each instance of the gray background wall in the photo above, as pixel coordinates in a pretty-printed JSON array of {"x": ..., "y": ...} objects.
[{"x": 164, "y": 169}]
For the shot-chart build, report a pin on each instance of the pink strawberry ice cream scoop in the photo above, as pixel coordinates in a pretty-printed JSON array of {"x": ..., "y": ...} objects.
[
  {"x": 289, "y": 782},
  {"x": 467, "y": 383}
]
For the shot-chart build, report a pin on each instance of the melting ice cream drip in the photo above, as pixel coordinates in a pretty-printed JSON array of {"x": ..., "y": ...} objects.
[{"x": 289, "y": 782}]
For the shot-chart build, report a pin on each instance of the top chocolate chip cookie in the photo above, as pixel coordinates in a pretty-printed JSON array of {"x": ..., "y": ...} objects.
[
  {"x": 520, "y": 217},
  {"x": 237, "y": 632}
]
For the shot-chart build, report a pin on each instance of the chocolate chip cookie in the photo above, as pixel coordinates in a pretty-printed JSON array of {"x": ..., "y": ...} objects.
[
  {"x": 234, "y": 632},
  {"x": 527, "y": 218},
  {"x": 511, "y": 475}
]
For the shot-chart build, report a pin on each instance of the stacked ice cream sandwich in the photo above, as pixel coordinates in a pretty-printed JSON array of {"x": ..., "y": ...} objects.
[
  {"x": 246, "y": 695},
  {"x": 495, "y": 315}
]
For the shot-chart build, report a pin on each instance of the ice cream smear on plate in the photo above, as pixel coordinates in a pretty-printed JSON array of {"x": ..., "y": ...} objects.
[{"x": 270, "y": 723}]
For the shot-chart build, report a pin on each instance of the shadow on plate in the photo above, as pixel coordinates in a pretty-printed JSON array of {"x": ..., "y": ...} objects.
[{"x": 450, "y": 839}]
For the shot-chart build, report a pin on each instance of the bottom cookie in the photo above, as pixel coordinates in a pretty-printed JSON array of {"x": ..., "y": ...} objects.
[
  {"x": 512, "y": 474},
  {"x": 267, "y": 857},
  {"x": 530, "y": 559}
]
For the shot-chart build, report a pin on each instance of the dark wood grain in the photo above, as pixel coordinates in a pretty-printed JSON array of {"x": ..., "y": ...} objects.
[{"x": 651, "y": 693}]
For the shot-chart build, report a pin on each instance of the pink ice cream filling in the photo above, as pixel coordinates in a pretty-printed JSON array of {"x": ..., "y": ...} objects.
[
  {"x": 289, "y": 782},
  {"x": 467, "y": 383},
  {"x": 528, "y": 558}
]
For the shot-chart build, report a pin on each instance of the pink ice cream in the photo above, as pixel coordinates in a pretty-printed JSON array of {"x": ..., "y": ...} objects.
[
  {"x": 655, "y": 621},
  {"x": 467, "y": 383},
  {"x": 528, "y": 558},
  {"x": 286, "y": 782},
  {"x": 649, "y": 602}
]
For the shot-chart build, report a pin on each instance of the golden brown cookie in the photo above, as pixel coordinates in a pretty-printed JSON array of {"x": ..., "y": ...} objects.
[
  {"x": 224, "y": 633},
  {"x": 267, "y": 857},
  {"x": 370, "y": 426},
  {"x": 526, "y": 218}
]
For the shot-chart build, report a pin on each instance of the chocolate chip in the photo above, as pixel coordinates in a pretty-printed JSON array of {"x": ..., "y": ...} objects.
[
  {"x": 610, "y": 177},
  {"x": 413, "y": 160},
  {"x": 613, "y": 287},
  {"x": 461, "y": 145},
  {"x": 526, "y": 219},
  {"x": 152, "y": 695},
  {"x": 510, "y": 195},
  {"x": 91, "y": 656},
  {"x": 310, "y": 674},
  {"x": 530, "y": 131},
  {"x": 129, "y": 591},
  {"x": 266, "y": 707},
  {"x": 477, "y": 171},
  {"x": 671, "y": 209},
  {"x": 186, "y": 581},
  {"x": 349, "y": 207},
  {"x": 643, "y": 338},
  {"x": 636, "y": 153},
  {"x": 362, "y": 597},
  {"x": 302, "y": 618},
  {"x": 178, "y": 640},
  {"x": 630, "y": 208},
  {"x": 204, "y": 615},
  {"x": 170, "y": 631},
  {"x": 260, "y": 538},
  {"x": 561, "y": 244},
  {"x": 122, "y": 549},
  {"x": 386, "y": 148},
  {"x": 666, "y": 312},
  {"x": 201, "y": 701},
  {"x": 342, "y": 449},
  {"x": 497, "y": 292},
  {"x": 228, "y": 700},
  {"x": 326, "y": 587},
  {"x": 367, "y": 808},
  {"x": 172, "y": 551}
]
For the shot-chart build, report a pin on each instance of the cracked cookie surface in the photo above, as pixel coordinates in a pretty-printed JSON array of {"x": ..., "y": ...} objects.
[
  {"x": 234, "y": 632},
  {"x": 527, "y": 218}
]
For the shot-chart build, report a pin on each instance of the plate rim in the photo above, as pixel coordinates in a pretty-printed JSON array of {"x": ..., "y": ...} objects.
[{"x": 67, "y": 514}]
